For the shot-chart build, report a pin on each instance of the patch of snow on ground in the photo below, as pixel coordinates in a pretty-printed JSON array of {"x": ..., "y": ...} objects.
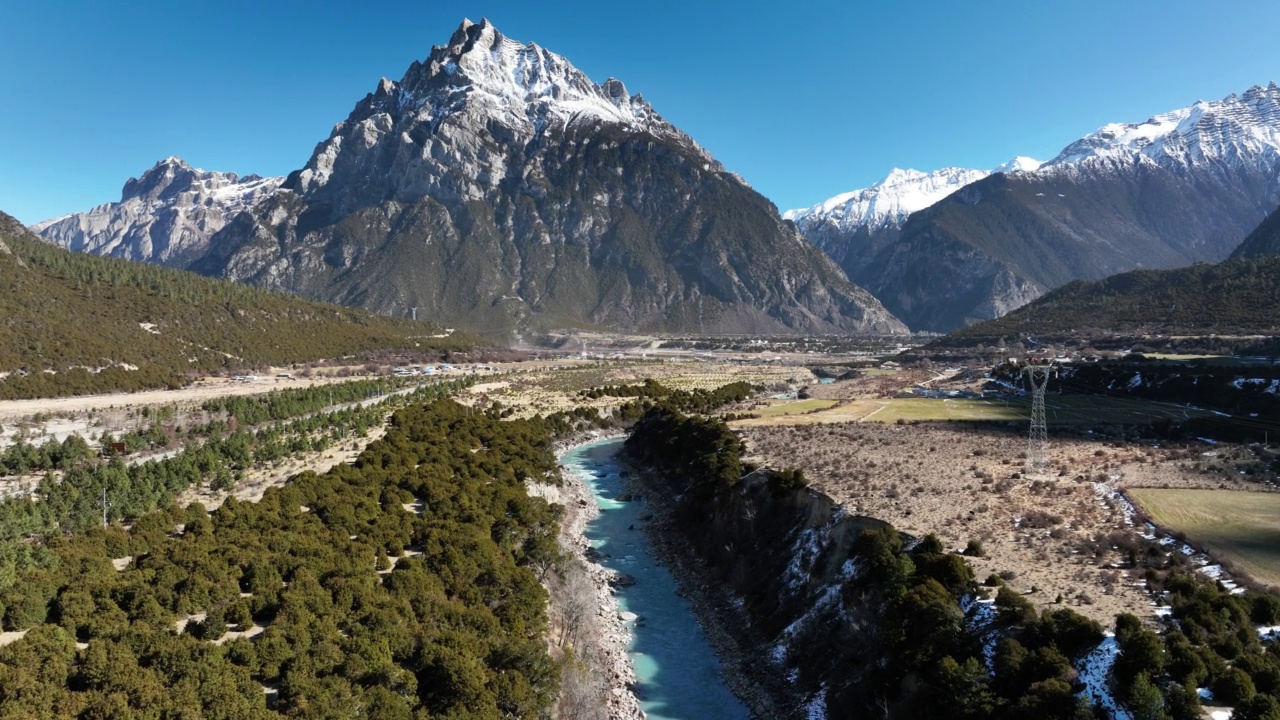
[
  {"x": 979, "y": 616},
  {"x": 1094, "y": 669},
  {"x": 816, "y": 709},
  {"x": 807, "y": 548},
  {"x": 1215, "y": 572},
  {"x": 778, "y": 653},
  {"x": 1108, "y": 495}
]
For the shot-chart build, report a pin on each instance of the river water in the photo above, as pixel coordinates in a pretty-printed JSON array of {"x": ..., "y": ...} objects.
[{"x": 677, "y": 672}]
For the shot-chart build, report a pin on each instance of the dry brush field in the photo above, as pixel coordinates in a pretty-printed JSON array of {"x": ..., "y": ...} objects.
[{"x": 1060, "y": 537}]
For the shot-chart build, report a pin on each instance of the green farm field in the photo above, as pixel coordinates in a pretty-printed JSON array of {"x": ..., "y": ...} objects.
[
  {"x": 795, "y": 408},
  {"x": 1241, "y": 527},
  {"x": 1060, "y": 410}
]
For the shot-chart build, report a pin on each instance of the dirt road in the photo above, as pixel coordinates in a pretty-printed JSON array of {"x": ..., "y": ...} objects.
[{"x": 197, "y": 392}]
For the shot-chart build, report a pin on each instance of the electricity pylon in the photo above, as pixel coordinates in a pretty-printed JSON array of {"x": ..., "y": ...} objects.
[{"x": 1038, "y": 442}]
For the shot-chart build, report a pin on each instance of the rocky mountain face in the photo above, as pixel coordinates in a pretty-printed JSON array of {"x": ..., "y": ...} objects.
[
  {"x": 10, "y": 227},
  {"x": 1263, "y": 241},
  {"x": 496, "y": 187},
  {"x": 1179, "y": 188},
  {"x": 166, "y": 216}
]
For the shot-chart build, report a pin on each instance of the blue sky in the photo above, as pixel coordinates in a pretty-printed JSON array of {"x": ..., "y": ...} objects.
[{"x": 803, "y": 99}]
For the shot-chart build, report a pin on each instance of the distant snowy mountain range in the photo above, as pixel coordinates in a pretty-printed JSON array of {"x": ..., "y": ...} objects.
[
  {"x": 900, "y": 193},
  {"x": 953, "y": 246},
  {"x": 583, "y": 179},
  {"x": 1237, "y": 131}
]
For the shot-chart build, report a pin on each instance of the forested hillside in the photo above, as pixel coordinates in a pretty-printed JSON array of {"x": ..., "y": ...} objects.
[
  {"x": 1234, "y": 297},
  {"x": 401, "y": 587},
  {"x": 1263, "y": 241},
  {"x": 75, "y": 324}
]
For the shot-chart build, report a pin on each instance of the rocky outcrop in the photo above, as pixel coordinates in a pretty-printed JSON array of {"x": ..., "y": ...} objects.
[
  {"x": 166, "y": 216},
  {"x": 772, "y": 574}
]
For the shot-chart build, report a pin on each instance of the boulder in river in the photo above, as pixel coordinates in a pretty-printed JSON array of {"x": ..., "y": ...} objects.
[{"x": 623, "y": 581}]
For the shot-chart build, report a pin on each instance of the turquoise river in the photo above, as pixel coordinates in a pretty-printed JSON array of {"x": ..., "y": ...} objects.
[{"x": 677, "y": 672}]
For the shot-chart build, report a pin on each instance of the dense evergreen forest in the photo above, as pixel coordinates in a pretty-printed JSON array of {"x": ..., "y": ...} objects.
[
  {"x": 1242, "y": 397},
  {"x": 401, "y": 587},
  {"x": 1231, "y": 298},
  {"x": 74, "y": 324},
  {"x": 1024, "y": 664}
]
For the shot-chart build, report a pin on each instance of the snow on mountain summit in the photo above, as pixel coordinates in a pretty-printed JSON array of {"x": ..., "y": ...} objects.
[
  {"x": 889, "y": 201},
  {"x": 167, "y": 213},
  {"x": 1238, "y": 128},
  {"x": 480, "y": 81},
  {"x": 1020, "y": 163},
  {"x": 520, "y": 81}
]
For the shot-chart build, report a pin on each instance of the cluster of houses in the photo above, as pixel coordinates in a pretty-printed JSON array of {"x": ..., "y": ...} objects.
[
  {"x": 256, "y": 378},
  {"x": 414, "y": 370}
]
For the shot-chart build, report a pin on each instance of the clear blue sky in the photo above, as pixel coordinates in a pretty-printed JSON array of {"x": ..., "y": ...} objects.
[{"x": 803, "y": 99}]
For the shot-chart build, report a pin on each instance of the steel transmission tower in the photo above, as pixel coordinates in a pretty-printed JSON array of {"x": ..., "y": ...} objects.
[{"x": 1038, "y": 442}]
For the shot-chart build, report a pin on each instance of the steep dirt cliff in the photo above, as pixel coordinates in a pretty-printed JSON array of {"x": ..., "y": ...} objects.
[{"x": 774, "y": 577}]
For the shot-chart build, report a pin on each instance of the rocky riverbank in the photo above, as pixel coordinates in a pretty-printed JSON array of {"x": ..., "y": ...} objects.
[{"x": 603, "y": 641}]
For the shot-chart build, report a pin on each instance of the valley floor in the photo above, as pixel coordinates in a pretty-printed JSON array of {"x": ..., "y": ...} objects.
[{"x": 944, "y": 467}]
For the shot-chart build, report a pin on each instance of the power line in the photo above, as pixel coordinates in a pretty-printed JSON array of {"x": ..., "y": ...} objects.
[{"x": 1038, "y": 441}]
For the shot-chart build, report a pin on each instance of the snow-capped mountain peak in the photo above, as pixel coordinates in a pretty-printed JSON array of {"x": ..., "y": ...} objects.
[
  {"x": 172, "y": 176},
  {"x": 168, "y": 212},
  {"x": 1237, "y": 128},
  {"x": 481, "y": 81},
  {"x": 523, "y": 80},
  {"x": 1020, "y": 163},
  {"x": 888, "y": 202}
]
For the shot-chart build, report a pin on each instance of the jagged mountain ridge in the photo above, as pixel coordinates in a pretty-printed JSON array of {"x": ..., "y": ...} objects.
[
  {"x": 1241, "y": 130},
  {"x": 165, "y": 216},
  {"x": 1182, "y": 187},
  {"x": 497, "y": 187}
]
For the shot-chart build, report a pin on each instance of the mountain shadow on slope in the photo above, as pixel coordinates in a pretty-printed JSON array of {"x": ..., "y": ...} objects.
[
  {"x": 1000, "y": 242},
  {"x": 1235, "y": 297}
]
